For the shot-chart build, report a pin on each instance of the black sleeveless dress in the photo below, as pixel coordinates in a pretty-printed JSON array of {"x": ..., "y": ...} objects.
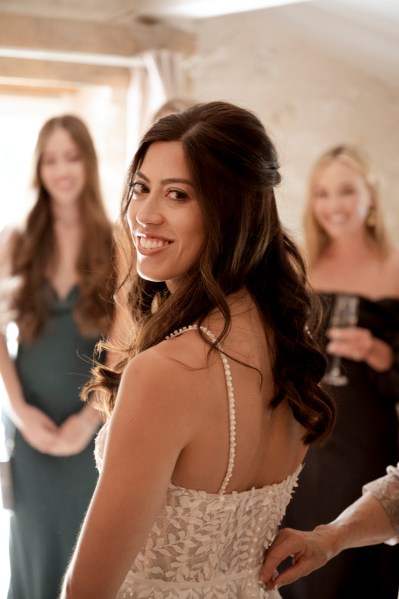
[
  {"x": 51, "y": 493},
  {"x": 364, "y": 442}
]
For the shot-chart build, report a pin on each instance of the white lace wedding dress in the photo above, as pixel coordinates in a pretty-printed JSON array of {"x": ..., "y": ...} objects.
[{"x": 204, "y": 545}]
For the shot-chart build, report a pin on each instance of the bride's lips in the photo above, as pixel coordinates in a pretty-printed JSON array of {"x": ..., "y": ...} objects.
[{"x": 150, "y": 244}]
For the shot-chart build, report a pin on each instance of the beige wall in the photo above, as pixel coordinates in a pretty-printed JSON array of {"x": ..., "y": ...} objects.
[
  {"x": 102, "y": 107},
  {"x": 33, "y": 90},
  {"x": 104, "y": 110},
  {"x": 307, "y": 98}
]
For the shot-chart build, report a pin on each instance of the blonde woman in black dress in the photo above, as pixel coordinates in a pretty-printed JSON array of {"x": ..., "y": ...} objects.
[{"x": 350, "y": 255}]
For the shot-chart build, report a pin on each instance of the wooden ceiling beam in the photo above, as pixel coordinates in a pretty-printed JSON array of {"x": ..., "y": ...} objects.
[
  {"x": 66, "y": 72},
  {"x": 81, "y": 37},
  {"x": 65, "y": 35}
]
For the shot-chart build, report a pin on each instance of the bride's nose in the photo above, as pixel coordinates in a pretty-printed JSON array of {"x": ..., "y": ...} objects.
[{"x": 149, "y": 211}]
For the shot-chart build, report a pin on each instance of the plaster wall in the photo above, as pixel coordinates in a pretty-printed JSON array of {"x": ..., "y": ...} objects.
[
  {"x": 103, "y": 108},
  {"x": 308, "y": 98}
]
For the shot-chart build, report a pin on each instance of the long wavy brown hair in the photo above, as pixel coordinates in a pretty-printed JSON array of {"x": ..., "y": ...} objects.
[
  {"x": 316, "y": 238},
  {"x": 234, "y": 169},
  {"x": 34, "y": 247}
]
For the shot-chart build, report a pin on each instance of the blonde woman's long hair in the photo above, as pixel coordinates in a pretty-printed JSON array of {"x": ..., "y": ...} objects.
[{"x": 315, "y": 237}]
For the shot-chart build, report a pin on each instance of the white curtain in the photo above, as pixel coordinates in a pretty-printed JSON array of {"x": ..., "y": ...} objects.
[{"x": 161, "y": 77}]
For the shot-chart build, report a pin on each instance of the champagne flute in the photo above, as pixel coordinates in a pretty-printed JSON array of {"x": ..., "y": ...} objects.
[{"x": 344, "y": 314}]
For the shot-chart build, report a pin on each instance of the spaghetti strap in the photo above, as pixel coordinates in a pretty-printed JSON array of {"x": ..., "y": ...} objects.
[{"x": 231, "y": 401}]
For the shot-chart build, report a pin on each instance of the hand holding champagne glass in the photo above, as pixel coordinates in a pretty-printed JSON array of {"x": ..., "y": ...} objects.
[{"x": 344, "y": 314}]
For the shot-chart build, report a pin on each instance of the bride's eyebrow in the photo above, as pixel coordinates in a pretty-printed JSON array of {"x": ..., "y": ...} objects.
[
  {"x": 167, "y": 181},
  {"x": 176, "y": 180},
  {"x": 142, "y": 175}
]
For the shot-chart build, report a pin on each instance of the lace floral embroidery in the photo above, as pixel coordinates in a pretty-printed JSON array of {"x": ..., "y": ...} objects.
[
  {"x": 386, "y": 490},
  {"x": 206, "y": 546}
]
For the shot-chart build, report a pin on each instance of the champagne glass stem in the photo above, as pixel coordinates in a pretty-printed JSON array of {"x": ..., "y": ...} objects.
[
  {"x": 334, "y": 376},
  {"x": 335, "y": 367}
]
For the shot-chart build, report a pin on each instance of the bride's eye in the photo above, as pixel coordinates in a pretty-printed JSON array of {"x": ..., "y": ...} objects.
[
  {"x": 177, "y": 194},
  {"x": 137, "y": 188}
]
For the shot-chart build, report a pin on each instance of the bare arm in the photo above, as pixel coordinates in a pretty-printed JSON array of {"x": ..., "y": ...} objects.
[
  {"x": 37, "y": 428},
  {"x": 358, "y": 343},
  {"x": 15, "y": 401},
  {"x": 76, "y": 432},
  {"x": 365, "y": 522},
  {"x": 148, "y": 430}
]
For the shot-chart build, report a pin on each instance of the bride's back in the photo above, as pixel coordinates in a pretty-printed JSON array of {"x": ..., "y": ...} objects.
[{"x": 268, "y": 440}]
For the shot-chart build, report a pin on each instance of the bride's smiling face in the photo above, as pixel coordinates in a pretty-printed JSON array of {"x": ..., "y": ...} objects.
[
  {"x": 164, "y": 215},
  {"x": 341, "y": 199}
]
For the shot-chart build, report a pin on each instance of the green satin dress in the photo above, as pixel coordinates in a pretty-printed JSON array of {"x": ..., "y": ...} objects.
[{"x": 51, "y": 493}]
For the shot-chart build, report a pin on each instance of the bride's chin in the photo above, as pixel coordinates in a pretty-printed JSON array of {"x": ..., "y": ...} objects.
[{"x": 147, "y": 276}]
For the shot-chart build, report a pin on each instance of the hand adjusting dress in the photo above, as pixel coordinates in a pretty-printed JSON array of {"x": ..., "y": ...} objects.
[{"x": 207, "y": 545}]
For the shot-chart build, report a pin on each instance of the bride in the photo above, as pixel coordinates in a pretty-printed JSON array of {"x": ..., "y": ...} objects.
[{"x": 216, "y": 398}]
